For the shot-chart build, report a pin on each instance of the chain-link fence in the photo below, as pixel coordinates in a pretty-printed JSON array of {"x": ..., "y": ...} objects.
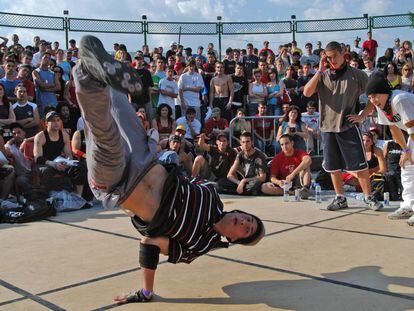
[{"x": 219, "y": 28}]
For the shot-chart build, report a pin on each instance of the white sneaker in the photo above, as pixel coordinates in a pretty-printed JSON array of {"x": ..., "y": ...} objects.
[
  {"x": 401, "y": 213},
  {"x": 410, "y": 221}
]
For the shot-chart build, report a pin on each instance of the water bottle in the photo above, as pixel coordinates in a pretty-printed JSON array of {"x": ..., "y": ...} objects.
[
  {"x": 386, "y": 198},
  {"x": 297, "y": 195},
  {"x": 286, "y": 192},
  {"x": 318, "y": 193}
]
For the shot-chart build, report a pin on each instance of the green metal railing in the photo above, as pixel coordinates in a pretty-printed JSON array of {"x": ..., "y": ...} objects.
[{"x": 219, "y": 28}]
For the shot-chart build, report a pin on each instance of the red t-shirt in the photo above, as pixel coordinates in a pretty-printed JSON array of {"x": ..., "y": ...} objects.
[
  {"x": 263, "y": 127},
  {"x": 371, "y": 45},
  {"x": 214, "y": 124},
  {"x": 283, "y": 165}
]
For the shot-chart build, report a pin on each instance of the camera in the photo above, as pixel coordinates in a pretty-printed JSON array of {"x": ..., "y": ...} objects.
[{"x": 292, "y": 130}]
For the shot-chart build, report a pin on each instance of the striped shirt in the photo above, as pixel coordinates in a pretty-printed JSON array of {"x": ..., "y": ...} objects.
[{"x": 193, "y": 209}]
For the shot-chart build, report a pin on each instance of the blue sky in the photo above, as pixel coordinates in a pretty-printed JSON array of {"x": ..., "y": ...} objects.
[{"x": 207, "y": 10}]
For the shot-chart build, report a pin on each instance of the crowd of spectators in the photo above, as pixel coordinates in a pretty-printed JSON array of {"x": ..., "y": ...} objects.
[{"x": 224, "y": 119}]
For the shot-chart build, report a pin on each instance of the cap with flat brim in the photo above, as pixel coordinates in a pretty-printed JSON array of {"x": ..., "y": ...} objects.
[{"x": 51, "y": 114}]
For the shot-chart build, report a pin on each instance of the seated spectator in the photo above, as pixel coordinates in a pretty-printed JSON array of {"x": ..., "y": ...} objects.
[
  {"x": 240, "y": 125},
  {"x": 7, "y": 116},
  {"x": 185, "y": 160},
  {"x": 164, "y": 122},
  {"x": 192, "y": 125},
  {"x": 393, "y": 77},
  {"x": 257, "y": 92},
  {"x": 24, "y": 75},
  {"x": 22, "y": 166},
  {"x": 215, "y": 124},
  {"x": 285, "y": 109},
  {"x": 142, "y": 114},
  {"x": 291, "y": 166},
  {"x": 46, "y": 84},
  {"x": 50, "y": 144},
  {"x": 9, "y": 81},
  {"x": 216, "y": 163},
  {"x": 248, "y": 171},
  {"x": 292, "y": 125},
  {"x": 311, "y": 120},
  {"x": 27, "y": 113},
  {"x": 392, "y": 154},
  {"x": 385, "y": 59},
  {"x": 78, "y": 145},
  {"x": 69, "y": 121},
  {"x": 168, "y": 90},
  {"x": 264, "y": 131},
  {"x": 375, "y": 159},
  {"x": 6, "y": 172},
  {"x": 369, "y": 67},
  {"x": 407, "y": 78},
  {"x": 186, "y": 146}
]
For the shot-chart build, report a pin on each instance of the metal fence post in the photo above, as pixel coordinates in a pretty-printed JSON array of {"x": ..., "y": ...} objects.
[
  {"x": 144, "y": 28},
  {"x": 293, "y": 17},
  {"x": 219, "y": 31},
  {"x": 66, "y": 28}
]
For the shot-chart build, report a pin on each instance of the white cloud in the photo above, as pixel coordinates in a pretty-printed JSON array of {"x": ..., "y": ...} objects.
[{"x": 376, "y": 7}]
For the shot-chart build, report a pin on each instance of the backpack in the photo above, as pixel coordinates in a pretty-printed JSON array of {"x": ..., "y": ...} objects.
[
  {"x": 323, "y": 178},
  {"x": 35, "y": 206}
]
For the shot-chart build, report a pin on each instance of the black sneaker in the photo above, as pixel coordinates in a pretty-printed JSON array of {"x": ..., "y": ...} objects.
[
  {"x": 337, "y": 203},
  {"x": 373, "y": 203},
  {"x": 103, "y": 67}
]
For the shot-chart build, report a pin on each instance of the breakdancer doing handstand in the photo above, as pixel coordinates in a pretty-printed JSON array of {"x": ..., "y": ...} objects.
[{"x": 176, "y": 218}]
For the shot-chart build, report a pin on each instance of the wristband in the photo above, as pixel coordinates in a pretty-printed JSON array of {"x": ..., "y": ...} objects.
[
  {"x": 79, "y": 153},
  {"x": 319, "y": 72},
  {"x": 406, "y": 150}
]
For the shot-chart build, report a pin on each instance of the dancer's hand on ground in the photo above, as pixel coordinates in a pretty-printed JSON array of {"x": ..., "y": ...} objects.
[
  {"x": 354, "y": 118},
  {"x": 405, "y": 159},
  {"x": 121, "y": 299}
]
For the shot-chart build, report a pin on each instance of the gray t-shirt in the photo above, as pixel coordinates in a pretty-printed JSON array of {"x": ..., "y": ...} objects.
[{"x": 338, "y": 98}]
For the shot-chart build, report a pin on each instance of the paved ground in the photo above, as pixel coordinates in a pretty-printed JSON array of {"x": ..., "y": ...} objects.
[{"x": 310, "y": 259}]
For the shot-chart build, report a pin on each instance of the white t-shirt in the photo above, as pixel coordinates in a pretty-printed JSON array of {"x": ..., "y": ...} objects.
[
  {"x": 402, "y": 104},
  {"x": 196, "y": 125},
  {"x": 311, "y": 121},
  {"x": 193, "y": 80},
  {"x": 169, "y": 86}
]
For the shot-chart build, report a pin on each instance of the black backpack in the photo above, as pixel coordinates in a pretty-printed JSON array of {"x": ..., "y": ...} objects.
[{"x": 36, "y": 206}]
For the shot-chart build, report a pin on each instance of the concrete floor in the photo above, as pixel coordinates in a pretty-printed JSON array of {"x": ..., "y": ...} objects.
[{"x": 310, "y": 259}]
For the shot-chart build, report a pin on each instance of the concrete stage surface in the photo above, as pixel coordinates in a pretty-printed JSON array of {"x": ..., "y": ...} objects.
[{"x": 310, "y": 259}]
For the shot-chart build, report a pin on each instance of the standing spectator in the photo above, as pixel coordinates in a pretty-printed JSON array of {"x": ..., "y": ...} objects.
[
  {"x": 46, "y": 84},
  {"x": 27, "y": 113},
  {"x": 37, "y": 57},
  {"x": 229, "y": 62},
  {"x": 7, "y": 116},
  {"x": 9, "y": 81},
  {"x": 371, "y": 45},
  {"x": 189, "y": 85},
  {"x": 265, "y": 50},
  {"x": 308, "y": 56},
  {"x": 172, "y": 51},
  {"x": 292, "y": 125},
  {"x": 318, "y": 49},
  {"x": 250, "y": 61},
  {"x": 199, "y": 53},
  {"x": 356, "y": 48},
  {"x": 248, "y": 171},
  {"x": 291, "y": 85},
  {"x": 393, "y": 77},
  {"x": 257, "y": 92},
  {"x": 168, "y": 90},
  {"x": 408, "y": 52},
  {"x": 274, "y": 94},
  {"x": 397, "y": 45},
  {"x": 73, "y": 48},
  {"x": 222, "y": 92},
  {"x": 386, "y": 59},
  {"x": 144, "y": 100},
  {"x": 302, "y": 81},
  {"x": 241, "y": 89},
  {"x": 407, "y": 79},
  {"x": 24, "y": 75},
  {"x": 295, "y": 48},
  {"x": 62, "y": 63},
  {"x": 164, "y": 122},
  {"x": 291, "y": 166}
]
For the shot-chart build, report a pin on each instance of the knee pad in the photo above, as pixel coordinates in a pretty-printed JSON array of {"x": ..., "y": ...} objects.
[{"x": 149, "y": 256}]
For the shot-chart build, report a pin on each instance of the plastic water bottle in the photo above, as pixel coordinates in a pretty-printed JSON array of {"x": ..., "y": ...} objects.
[
  {"x": 318, "y": 193},
  {"x": 386, "y": 198},
  {"x": 286, "y": 192}
]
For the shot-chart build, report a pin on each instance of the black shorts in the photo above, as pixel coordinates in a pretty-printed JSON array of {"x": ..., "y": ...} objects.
[{"x": 344, "y": 151}]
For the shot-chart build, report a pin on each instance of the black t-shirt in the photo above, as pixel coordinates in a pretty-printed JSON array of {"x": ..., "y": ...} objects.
[
  {"x": 147, "y": 82},
  {"x": 229, "y": 66},
  {"x": 220, "y": 163},
  {"x": 250, "y": 62},
  {"x": 253, "y": 165},
  {"x": 394, "y": 153},
  {"x": 240, "y": 88}
]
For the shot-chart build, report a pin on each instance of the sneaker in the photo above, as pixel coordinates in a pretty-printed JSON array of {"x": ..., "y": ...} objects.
[
  {"x": 103, "y": 67},
  {"x": 401, "y": 213},
  {"x": 337, "y": 203},
  {"x": 373, "y": 203},
  {"x": 304, "y": 193},
  {"x": 410, "y": 221}
]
